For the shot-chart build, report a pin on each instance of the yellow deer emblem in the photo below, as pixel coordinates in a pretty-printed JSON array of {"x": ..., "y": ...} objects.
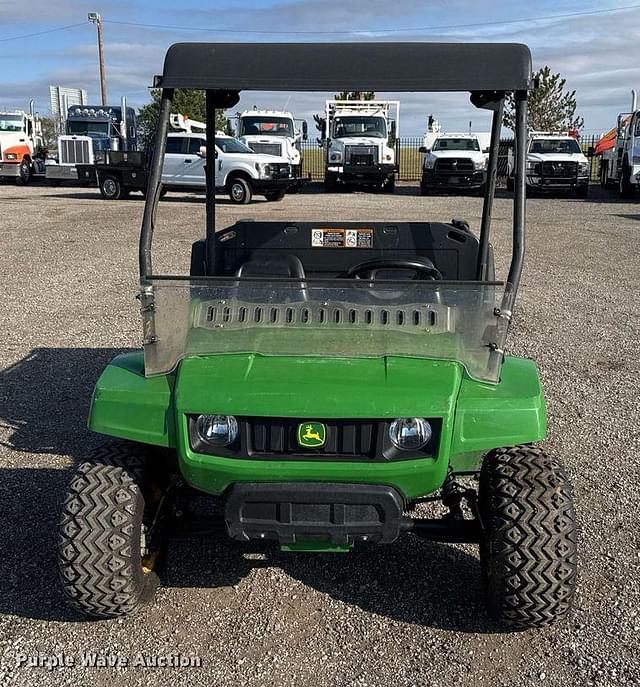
[{"x": 310, "y": 435}]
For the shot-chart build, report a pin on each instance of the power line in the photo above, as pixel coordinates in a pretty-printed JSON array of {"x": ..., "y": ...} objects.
[
  {"x": 42, "y": 33},
  {"x": 412, "y": 29}
]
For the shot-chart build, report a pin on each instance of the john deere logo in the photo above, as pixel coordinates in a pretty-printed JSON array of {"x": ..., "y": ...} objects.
[{"x": 311, "y": 434}]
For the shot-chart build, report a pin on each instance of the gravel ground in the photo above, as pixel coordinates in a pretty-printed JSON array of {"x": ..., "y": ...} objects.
[{"x": 406, "y": 614}]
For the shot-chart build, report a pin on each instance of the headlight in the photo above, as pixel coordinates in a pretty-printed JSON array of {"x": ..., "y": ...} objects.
[
  {"x": 532, "y": 167},
  {"x": 429, "y": 161},
  {"x": 11, "y": 156},
  {"x": 480, "y": 164},
  {"x": 388, "y": 157},
  {"x": 217, "y": 430},
  {"x": 335, "y": 156},
  {"x": 584, "y": 169},
  {"x": 410, "y": 433},
  {"x": 264, "y": 169}
]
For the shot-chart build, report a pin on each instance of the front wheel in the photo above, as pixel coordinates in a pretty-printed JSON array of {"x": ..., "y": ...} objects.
[
  {"x": 625, "y": 189},
  {"x": 273, "y": 196},
  {"x": 111, "y": 188},
  {"x": 102, "y": 535},
  {"x": 24, "y": 173},
  {"x": 240, "y": 191},
  {"x": 528, "y": 549}
]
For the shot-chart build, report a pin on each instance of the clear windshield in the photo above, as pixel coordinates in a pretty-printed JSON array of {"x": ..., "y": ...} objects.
[
  {"x": 88, "y": 128},
  {"x": 343, "y": 318},
  {"x": 232, "y": 145},
  {"x": 554, "y": 146},
  {"x": 267, "y": 126},
  {"x": 371, "y": 127},
  {"x": 456, "y": 144},
  {"x": 11, "y": 122}
]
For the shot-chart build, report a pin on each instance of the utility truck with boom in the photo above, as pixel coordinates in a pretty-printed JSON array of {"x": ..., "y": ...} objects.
[
  {"x": 359, "y": 143},
  {"x": 619, "y": 152},
  {"x": 309, "y": 383},
  {"x": 273, "y": 132},
  {"x": 21, "y": 145}
]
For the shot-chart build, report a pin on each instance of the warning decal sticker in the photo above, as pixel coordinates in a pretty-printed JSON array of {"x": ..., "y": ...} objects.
[{"x": 342, "y": 238}]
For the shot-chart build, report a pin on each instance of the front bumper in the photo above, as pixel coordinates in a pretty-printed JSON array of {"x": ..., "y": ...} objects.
[
  {"x": 10, "y": 169},
  {"x": 293, "y": 514},
  {"x": 550, "y": 184},
  {"x": 448, "y": 180},
  {"x": 363, "y": 174},
  {"x": 262, "y": 185},
  {"x": 62, "y": 172}
]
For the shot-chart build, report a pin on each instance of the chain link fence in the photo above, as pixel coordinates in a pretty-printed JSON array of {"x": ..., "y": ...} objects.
[{"x": 410, "y": 158}]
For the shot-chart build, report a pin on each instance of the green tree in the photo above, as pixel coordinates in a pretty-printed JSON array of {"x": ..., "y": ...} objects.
[
  {"x": 320, "y": 119},
  {"x": 189, "y": 103},
  {"x": 551, "y": 107}
]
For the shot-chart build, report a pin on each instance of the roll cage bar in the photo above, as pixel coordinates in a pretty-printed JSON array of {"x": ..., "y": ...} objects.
[{"x": 487, "y": 71}]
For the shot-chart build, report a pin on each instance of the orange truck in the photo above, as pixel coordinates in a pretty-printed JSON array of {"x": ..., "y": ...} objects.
[{"x": 21, "y": 145}]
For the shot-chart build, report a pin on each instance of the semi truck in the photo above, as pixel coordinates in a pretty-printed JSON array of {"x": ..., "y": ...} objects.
[
  {"x": 22, "y": 151},
  {"x": 91, "y": 132},
  {"x": 273, "y": 132},
  {"x": 619, "y": 152},
  {"x": 359, "y": 143}
]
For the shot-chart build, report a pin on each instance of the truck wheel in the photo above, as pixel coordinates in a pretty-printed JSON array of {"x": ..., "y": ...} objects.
[
  {"x": 24, "y": 173},
  {"x": 528, "y": 551},
  {"x": 390, "y": 185},
  {"x": 424, "y": 190},
  {"x": 240, "y": 191},
  {"x": 330, "y": 182},
  {"x": 510, "y": 184},
  {"x": 604, "y": 175},
  {"x": 625, "y": 189},
  {"x": 101, "y": 537},
  {"x": 272, "y": 196},
  {"x": 582, "y": 191},
  {"x": 111, "y": 188}
]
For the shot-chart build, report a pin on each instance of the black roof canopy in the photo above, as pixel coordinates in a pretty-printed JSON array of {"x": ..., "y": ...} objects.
[{"x": 382, "y": 67}]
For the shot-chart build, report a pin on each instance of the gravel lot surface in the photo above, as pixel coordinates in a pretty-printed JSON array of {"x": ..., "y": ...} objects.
[{"x": 406, "y": 614}]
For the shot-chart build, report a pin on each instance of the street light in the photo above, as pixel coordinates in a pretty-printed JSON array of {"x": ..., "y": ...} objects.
[{"x": 96, "y": 19}]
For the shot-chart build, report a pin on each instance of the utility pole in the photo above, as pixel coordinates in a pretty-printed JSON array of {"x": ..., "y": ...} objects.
[{"x": 96, "y": 19}]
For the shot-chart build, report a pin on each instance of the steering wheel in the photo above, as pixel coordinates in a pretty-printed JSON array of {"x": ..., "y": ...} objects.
[{"x": 423, "y": 267}]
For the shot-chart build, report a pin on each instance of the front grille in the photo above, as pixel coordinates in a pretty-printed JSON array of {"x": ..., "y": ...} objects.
[
  {"x": 278, "y": 436},
  {"x": 454, "y": 165},
  {"x": 361, "y": 156},
  {"x": 559, "y": 169},
  {"x": 281, "y": 171},
  {"x": 74, "y": 151},
  {"x": 267, "y": 148}
]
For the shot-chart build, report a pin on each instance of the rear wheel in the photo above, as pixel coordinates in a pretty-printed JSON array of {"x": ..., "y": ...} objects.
[
  {"x": 528, "y": 551},
  {"x": 24, "y": 173},
  {"x": 240, "y": 191},
  {"x": 390, "y": 185},
  {"x": 272, "y": 196},
  {"x": 582, "y": 191},
  {"x": 102, "y": 535},
  {"x": 510, "y": 184},
  {"x": 111, "y": 188},
  {"x": 604, "y": 175}
]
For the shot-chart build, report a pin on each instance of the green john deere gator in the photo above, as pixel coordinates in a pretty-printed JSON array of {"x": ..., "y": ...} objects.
[{"x": 320, "y": 378}]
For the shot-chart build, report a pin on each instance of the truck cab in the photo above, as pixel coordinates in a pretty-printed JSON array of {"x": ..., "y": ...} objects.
[
  {"x": 21, "y": 144},
  {"x": 359, "y": 143},
  {"x": 91, "y": 131},
  {"x": 239, "y": 171},
  {"x": 555, "y": 163},
  {"x": 272, "y": 132},
  {"x": 620, "y": 153},
  {"x": 454, "y": 162}
]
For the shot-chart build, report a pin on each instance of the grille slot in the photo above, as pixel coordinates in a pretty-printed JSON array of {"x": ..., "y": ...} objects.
[
  {"x": 454, "y": 164},
  {"x": 559, "y": 169},
  {"x": 242, "y": 315},
  {"x": 361, "y": 156},
  {"x": 274, "y": 436}
]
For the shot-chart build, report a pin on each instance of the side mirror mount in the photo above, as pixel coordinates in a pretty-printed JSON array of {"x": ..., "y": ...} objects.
[
  {"x": 486, "y": 150},
  {"x": 202, "y": 151},
  {"x": 423, "y": 149}
]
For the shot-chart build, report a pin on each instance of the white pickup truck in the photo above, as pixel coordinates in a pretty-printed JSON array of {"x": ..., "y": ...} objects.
[
  {"x": 555, "y": 162},
  {"x": 454, "y": 162},
  {"x": 239, "y": 171}
]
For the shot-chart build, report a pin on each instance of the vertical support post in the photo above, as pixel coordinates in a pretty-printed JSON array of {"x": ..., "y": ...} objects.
[
  {"x": 210, "y": 176},
  {"x": 489, "y": 192},
  {"x": 154, "y": 185},
  {"x": 517, "y": 257},
  {"x": 96, "y": 19}
]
